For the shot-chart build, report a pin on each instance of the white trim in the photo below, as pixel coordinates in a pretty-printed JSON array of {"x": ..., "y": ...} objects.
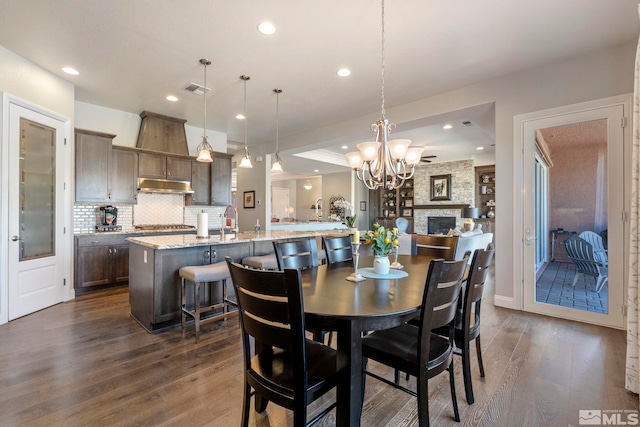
[
  {"x": 520, "y": 123},
  {"x": 67, "y": 245},
  {"x": 505, "y": 302}
]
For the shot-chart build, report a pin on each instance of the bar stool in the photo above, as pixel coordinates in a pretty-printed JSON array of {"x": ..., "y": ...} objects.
[
  {"x": 261, "y": 262},
  {"x": 199, "y": 275}
]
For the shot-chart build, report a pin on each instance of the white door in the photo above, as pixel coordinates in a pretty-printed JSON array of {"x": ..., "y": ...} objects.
[
  {"x": 531, "y": 203},
  {"x": 36, "y": 211}
]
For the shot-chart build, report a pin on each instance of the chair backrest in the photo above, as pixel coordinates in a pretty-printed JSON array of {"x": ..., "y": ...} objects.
[
  {"x": 271, "y": 311},
  {"x": 337, "y": 248},
  {"x": 581, "y": 253},
  {"x": 438, "y": 246},
  {"x": 473, "y": 292},
  {"x": 599, "y": 250},
  {"x": 605, "y": 238},
  {"x": 439, "y": 301},
  {"x": 299, "y": 253},
  {"x": 402, "y": 224}
]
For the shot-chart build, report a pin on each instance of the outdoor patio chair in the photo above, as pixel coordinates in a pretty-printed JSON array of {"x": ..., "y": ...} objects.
[
  {"x": 581, "y": 253},
  {"x": 599, "y": 249}
]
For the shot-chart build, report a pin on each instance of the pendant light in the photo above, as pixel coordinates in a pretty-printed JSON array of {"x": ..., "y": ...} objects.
[
  {"x": 384, "y": 163},
  {"x": 277, "y": 163},
  {"x": 307, "y": 185},
  {"x": 204, "y": 149},
  {"x": 246, "y": 158}
]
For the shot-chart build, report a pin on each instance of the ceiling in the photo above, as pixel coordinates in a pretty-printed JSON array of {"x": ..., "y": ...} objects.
[{"x": 132, "y": 54}]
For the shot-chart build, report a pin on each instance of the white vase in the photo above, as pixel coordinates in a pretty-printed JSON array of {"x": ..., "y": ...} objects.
[{"x": 381, "y": 264}]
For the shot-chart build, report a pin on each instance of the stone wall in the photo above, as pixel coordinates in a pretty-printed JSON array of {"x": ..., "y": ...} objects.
[{"x": 462, "y": 191}]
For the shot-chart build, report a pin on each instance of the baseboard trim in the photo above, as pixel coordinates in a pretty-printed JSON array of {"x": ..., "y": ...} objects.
[{"x": 502, "y": 301}]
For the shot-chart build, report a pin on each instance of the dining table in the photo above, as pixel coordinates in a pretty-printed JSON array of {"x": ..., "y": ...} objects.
[{"x": 333, "y": 303}]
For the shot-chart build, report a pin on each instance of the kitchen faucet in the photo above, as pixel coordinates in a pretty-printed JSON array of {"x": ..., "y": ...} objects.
[{"x": 236, "y": 229}]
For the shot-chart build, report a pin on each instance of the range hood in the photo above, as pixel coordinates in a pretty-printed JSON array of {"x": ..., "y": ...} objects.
[
  {"x": 163, "y": 134},
  {"x": 147, "y": 185}
]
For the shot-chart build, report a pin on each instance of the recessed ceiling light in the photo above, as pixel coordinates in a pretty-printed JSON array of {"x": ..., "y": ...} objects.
[
  {"x": 345, "y": 147},
  {"x": 479, "y": 148},
  {"x": 316, "y": 170},
  {"x": 240, "y": 116},
  {"x": 267, "y": 28},
  {"x": 70, "y": 70},
  {"x": 344, "y": 72},
  {"x": 447, "y": 127},
  {"x": 172, "y": 98}
]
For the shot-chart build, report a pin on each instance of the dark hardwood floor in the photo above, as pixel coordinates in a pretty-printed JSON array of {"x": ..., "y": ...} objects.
[{"x": 86, "y": 362}]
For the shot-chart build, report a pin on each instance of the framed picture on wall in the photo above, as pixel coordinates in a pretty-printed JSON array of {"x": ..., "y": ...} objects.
[
  {"x": 441, "y": 187},
  {"x": 249, "y": 199},
  {"x": 407, "y": 212}
]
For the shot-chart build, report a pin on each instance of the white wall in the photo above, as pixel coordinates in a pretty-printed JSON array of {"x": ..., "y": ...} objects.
[{"x": 25, "y": 80}]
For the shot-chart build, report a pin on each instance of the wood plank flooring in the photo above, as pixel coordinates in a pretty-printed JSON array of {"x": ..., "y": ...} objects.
[{"x": 86, "y": 362}]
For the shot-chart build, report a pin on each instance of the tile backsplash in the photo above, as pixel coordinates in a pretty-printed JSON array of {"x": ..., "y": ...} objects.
[{"x": 151, "y": 209}]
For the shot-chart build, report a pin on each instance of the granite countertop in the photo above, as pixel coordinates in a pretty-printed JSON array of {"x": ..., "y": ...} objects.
[{"x": 176, "y": 241}]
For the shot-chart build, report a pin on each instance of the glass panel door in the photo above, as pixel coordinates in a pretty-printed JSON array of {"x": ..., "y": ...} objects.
[{"x": 37, "y": 214}]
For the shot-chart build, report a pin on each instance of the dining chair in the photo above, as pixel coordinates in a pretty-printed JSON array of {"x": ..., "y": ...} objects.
[
  {"x": 581, "y": 253},
  {"x": 287, "y": 368},
  {"x": 415, "y": 349},
  {"x": 299, "y": 253},
  {"x": 467, "y": 323},
  {"x": 599, "y": 250},
  {"x": 437, "y": 246},
  {"x": 337, "y": 248}
]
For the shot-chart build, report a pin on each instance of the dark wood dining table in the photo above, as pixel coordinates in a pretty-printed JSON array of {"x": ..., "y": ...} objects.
[{"x": 333, "y": 303}]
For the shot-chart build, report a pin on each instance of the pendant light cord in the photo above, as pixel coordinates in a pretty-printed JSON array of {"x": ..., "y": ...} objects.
[{"x": 382, "y": 76}]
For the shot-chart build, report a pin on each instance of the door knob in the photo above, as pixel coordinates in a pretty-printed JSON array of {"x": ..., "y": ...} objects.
[
  {"x": 15, "y": 238},
  {"x": 529, "y": 238}
]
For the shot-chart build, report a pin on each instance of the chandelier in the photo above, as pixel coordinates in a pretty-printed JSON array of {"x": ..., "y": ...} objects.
[
  {"x": 246, "y": 158},
  {"x": 384, "y": 163},
  {"x": 204, "y": 149},
  {"x": 277, "y": 162}
]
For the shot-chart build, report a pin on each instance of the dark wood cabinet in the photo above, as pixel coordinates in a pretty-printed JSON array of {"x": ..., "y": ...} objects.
[
  {"x": 93, "y": 166},
  {"x": 201, "y": 184},
  {"x": 159, "y": 166},
  {"x": 101, "y": 260},
  {"x": 221, "y": 180},
  {"x": 486, "y": 190},
  {"x": 104, "y": 173},
  {"x": 124, "y": 176}
]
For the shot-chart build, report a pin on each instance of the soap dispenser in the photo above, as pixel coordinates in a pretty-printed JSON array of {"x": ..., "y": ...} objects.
[{"x": 257, "y": 225}]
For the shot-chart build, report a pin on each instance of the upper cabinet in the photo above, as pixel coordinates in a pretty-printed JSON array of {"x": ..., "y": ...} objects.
[
  {"x": 124, "y": 175},
  {"x": 221, "y": 179},
  {"x": 201, "y": 184},
  {"x": 104, "y": 174},
  {"x": 93, "y": 166},
  {"x": 159, "y": 166}
]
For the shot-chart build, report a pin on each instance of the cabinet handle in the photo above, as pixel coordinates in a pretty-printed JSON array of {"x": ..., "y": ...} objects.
[
  {"x": 206, "y": 258},
  {"x": 109, "y": 251},
  {"x": 109, "y": 195},
  {"x": 115, "y": 251}
]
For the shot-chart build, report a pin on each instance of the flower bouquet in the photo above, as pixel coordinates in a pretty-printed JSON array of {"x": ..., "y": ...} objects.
[
  {"x": 382, "y": 241},
  {"x": 345, "y": 205}
]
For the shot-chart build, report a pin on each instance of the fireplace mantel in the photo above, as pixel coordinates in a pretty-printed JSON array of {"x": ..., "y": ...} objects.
[{"x": 442, "y": 206}]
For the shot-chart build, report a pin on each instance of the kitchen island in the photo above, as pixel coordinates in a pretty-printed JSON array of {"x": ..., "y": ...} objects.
[{"x": 154, "y": 263}]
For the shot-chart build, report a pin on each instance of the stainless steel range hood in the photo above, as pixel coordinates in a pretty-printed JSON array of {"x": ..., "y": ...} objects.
[{"x": 146, "y": 185}]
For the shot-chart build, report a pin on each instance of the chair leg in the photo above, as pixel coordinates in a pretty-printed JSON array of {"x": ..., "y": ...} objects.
[
  {"x": 466, "y": 373},
  {"x": 246, "y": 404},
  {"x": 479, "y": 354},
  {"x": 575, "y": 279},
  {"x": 454, "y": 400},
  {"x": 183, "y": 305},
  {"x": 196, "y": 314},
  {"x": 422, "y": 387}
]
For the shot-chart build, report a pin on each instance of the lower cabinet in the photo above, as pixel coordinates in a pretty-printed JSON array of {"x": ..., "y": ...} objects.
[{"x": 101, "y": 260}]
